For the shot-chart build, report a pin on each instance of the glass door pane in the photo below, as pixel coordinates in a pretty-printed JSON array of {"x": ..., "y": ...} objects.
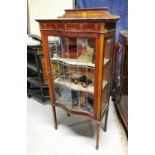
[
  {"x": 73, "y": 64},
  {"x": 107, "y": 62}
]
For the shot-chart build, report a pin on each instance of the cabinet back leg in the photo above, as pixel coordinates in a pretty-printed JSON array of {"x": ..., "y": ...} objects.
[
  {"x": 97, "y": 135},
  {"x": 55, "y": 118},
  {"x": 106, "y": 118}
]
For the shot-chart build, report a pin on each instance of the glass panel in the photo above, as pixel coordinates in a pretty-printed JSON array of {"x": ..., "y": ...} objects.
[
  {"x": 106, "y": 72},
  {"x": 119, "y": 64},
  {"x": 86, "y": 50},
  {"x": 72, "y": 62},
  {"x": 86, "y": 60}
]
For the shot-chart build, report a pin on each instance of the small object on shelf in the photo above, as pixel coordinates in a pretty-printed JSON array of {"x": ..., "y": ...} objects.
[
  {"x": 75, "y": 78},
  {"x": 81, "y": 75},
  {"x": 84, "y": 81}
]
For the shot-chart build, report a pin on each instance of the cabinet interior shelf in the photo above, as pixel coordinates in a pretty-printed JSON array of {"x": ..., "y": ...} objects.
[
  {"x": 76, "y": 61},
  {"x": 78, "y": 87}
]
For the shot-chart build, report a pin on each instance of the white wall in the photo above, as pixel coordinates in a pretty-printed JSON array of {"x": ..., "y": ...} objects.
[{"x": 46, "y": 9}]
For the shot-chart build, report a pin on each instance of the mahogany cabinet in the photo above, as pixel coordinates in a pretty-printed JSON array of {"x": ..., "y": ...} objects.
[
  {"x": 121, "y": 82},
  {"x": 78, "y": 49}
]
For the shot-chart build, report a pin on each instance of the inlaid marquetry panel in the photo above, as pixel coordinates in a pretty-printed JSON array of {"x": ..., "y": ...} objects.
[
  {"x": 89, "y": 13},
  {"x": 85, "y": 14}
]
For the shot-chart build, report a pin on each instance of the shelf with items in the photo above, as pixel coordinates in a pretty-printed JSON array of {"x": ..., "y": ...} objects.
[
  {"x": 73, "y": 86},
  {"x": 76, "y": 100},
  {"x": 78, "y": 62},
  {"x": 75, "y": 69},
  {"x": 78, "y": 87},
  {"x": 69, "y": 61},
  {"x": 81, "y": 51}
]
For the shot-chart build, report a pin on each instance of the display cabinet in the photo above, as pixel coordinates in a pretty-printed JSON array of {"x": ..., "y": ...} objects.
[{"x": 79, "y": 61}]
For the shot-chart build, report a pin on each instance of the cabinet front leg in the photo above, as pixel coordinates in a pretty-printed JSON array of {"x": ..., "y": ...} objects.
[
  {"x": 97, "y": 134},
  {"x": 55, "y": 118}
]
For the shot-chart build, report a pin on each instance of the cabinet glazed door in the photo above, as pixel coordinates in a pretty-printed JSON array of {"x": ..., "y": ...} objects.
[{"x": 73, "y": 67}]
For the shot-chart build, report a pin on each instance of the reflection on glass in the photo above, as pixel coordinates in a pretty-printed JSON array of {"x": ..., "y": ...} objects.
[{"x": 86, "y": 52}]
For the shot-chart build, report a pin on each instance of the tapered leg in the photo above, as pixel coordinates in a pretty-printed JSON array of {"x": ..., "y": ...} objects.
[
  {"x": 55, "y": 118},
  {"x": 106, "y": 118},
  {"x": 97, "y": 135}
]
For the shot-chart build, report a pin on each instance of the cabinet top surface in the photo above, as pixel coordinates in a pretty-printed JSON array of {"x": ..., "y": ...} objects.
[{"x": 84, "y": 15}]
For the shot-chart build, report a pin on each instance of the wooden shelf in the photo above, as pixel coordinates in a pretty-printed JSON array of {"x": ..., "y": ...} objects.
[
  {"x": 77, "y": 62},
  {"x": 75, "y": 108},
  {"x": 78, "y": 87}
]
